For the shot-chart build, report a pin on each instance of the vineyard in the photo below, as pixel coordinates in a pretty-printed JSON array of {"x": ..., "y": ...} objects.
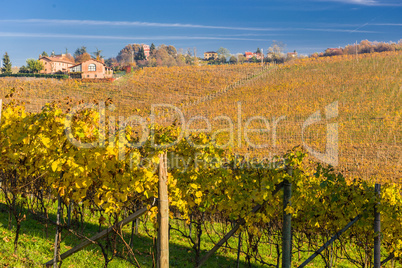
[
  {"x": 78, "y": 174},
  {"x": 367, "y": 89},
  {"x": 173, "y": 85}
]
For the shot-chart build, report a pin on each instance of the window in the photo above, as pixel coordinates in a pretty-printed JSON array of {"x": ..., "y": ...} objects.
[
  {"x": 91, "y": 67},
  {"x": 96, "y": 76},
  {"x": 88, "y": 75}
]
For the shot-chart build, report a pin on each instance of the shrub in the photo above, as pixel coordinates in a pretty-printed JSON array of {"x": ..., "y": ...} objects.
[{"x": 57, "y": 76}]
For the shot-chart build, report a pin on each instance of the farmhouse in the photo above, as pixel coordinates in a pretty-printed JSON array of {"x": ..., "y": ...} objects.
[
  {"x": 92, "y": 69},
  {"x": 147, "y": 50},
  {"x": 56, "y": 63},
  {"x": 210, "y": 55},
  {"x": 249, "y": 55}
]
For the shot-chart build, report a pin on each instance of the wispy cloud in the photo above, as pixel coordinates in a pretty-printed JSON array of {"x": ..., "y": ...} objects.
[
  {"x": 133, "y": 24},
  {"x": 112, "y": 37},
  {"x": 366, "y": 2},
  {"x": 359, "y": 2},
  {"x": 386, "y": 24},
  {"x": 172, "y": 25}
]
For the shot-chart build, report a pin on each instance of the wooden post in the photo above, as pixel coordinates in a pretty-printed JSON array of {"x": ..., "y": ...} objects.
[
  {"x": 287, "y": 224},
  {"x": 163, "y": 214},
  {"x": 58, "y": 234},
  {"x": 238, "y": 251},
  {"x": 377, "y": 231}
]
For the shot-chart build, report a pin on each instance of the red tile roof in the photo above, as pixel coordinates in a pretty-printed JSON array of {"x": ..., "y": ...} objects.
[
  {"x": 88, "y": 60},
  {"x": 58, "y": 58}
]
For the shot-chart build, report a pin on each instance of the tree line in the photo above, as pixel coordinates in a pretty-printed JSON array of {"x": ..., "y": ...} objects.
[{"x": 133, "y": 55}]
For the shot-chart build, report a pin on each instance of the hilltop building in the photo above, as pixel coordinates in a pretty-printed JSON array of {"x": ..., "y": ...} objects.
[
  {"x": 210, "y": 55},
  {"x": 56, "y": 63},
  {"x": 92, "y": 69},
  {"x": 146, "y": 50},
  {"x": 249, "y": 55}
]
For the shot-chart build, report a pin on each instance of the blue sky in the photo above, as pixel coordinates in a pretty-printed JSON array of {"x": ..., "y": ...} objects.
[{"x": 29, "y": 27}]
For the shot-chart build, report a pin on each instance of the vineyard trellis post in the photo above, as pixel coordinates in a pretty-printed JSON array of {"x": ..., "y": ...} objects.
[
  {"x": 287, "y": 224},
  {"x": 56, "y": 255},
  {"x": 377, "y": 237},
  {"x": 163, "y": 214},
  {"x": 377, "y": 230}
]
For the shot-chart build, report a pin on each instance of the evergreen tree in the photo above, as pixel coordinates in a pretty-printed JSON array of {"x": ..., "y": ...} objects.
[
  {"x": 141, "y": 54},
  {"x": 44, "y": 54},
  {"x": 6, "y": 64},
  {"x": 152, "y": 49}
]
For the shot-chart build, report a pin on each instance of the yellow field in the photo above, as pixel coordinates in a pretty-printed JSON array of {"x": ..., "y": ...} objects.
[
  {"x": 366, "y": 89},
  {"x": 137, "y": 90}
]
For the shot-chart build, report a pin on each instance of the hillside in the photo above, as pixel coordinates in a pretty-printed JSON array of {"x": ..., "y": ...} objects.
[
  {"x": 368, "y": 90},
  {"x": 137, "y": 90}
]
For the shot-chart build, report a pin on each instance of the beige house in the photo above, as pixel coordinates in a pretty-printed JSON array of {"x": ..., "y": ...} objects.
[
  {"x": 92, "y": 69},
  {"x": 210, "y": 54},
  {"x": 56, "y": 63}
]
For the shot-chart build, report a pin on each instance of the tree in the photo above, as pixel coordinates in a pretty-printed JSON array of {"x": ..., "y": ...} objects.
[
  {"x": 111, "y": 62},
  {"x": 152, "y": 49},
  {"x": 241, "y": 58},
  {"x": 80, "y": 51},
  {"x": 34, "y": 66},
  {"x": 23, "y": 70},
  {"x": 126, "y": 55},
  {"x": 254, "y": 59},
  {"x": 44, "y": 54},
  {"x": 97, "y": 54},
  {"x": 6, "y": 64},
  {"x": 140, "y": 55},
  {"x": 82, "y": 58},
  {"x": 258, "y": 51},
  {"x": 233, "y": 60},
  {"x": 222, "y": 59},
  {"x": 171, "y": 50},
  {"x": 277, "y": 48},
  {"x": 223, "y": 52}
]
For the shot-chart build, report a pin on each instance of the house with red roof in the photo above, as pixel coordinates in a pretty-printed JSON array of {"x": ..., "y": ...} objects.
[
  {"x": 56, "y": 63},
  {"x": 249, "y": 55},
  {"x": 92, "y": 69}
]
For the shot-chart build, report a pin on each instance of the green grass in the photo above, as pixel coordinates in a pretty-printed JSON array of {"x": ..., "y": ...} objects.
[{"x": 36, "y": 248}]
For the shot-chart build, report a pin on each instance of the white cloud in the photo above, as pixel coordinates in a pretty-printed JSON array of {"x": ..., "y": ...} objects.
[
  {"x": 112, "y": 37},
  {"x": 172, "y": 25},
  {"x": 367, "y": 2}
]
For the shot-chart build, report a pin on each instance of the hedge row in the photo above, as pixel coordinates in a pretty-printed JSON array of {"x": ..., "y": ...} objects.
[
  {"x": 96, "y": 80},
  {"x": 58, "y": 76}
]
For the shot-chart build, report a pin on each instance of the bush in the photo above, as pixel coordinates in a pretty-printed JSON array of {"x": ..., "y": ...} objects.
[{"x": 57, "y": 76}]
